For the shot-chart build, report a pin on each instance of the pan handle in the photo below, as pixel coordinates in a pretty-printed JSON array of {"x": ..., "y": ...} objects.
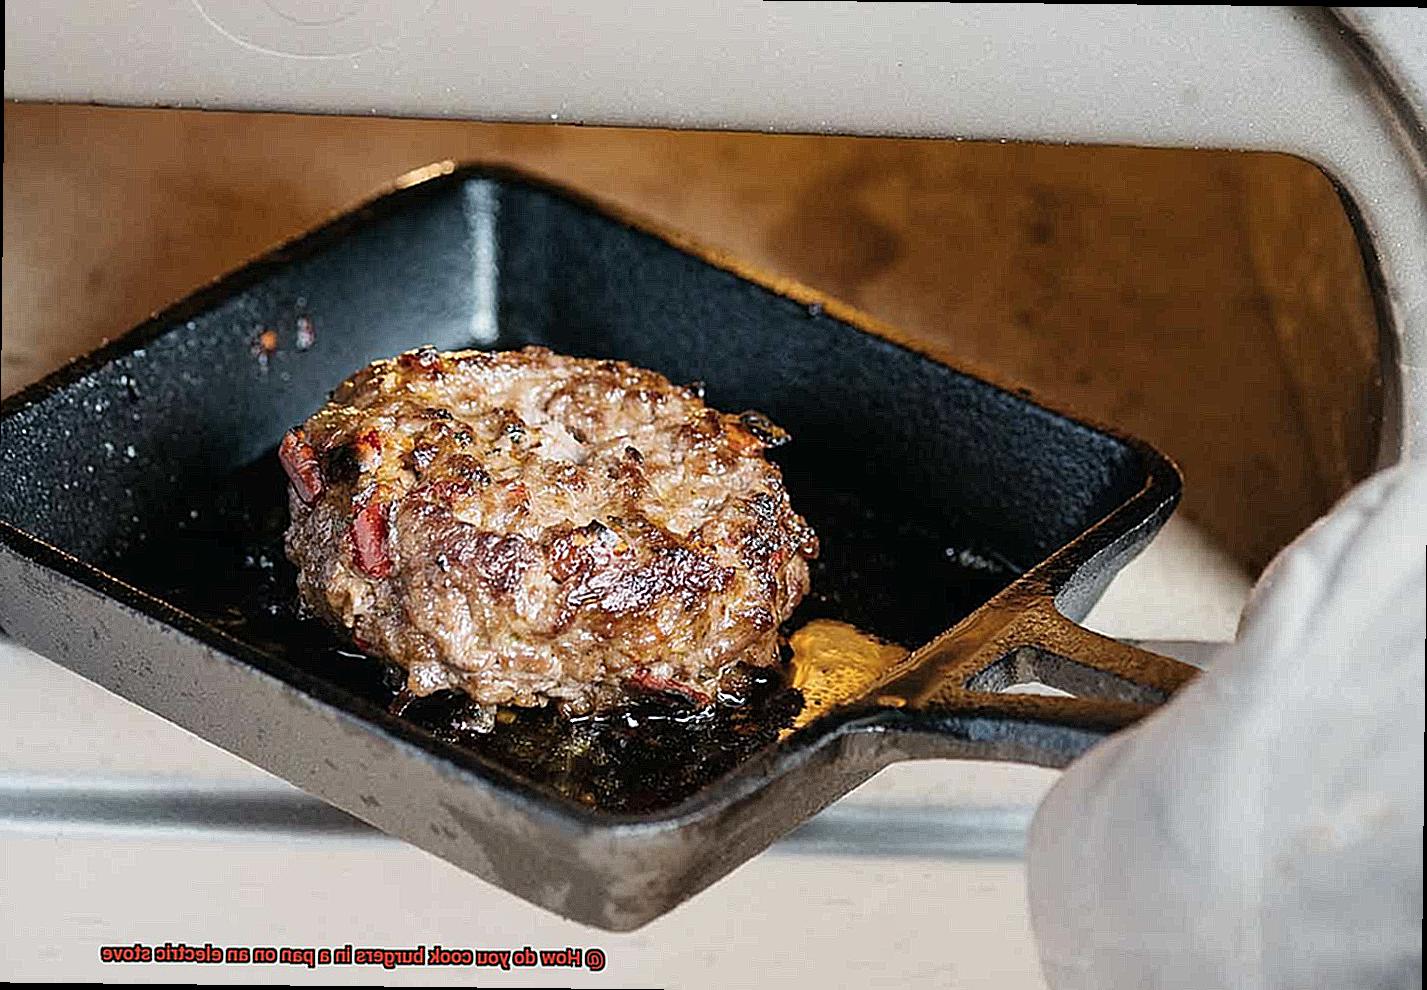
[{"x": 952, "y": 692}]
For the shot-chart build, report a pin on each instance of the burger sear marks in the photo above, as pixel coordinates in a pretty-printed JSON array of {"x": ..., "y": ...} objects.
[{"x": 530, "y": 528}]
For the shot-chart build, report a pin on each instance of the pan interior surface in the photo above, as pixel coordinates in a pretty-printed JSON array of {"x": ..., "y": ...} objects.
[{"x": 930, "y": 490}]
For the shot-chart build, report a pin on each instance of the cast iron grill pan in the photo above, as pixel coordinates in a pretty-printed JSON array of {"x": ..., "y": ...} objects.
[{"x": 142, "y": 508}]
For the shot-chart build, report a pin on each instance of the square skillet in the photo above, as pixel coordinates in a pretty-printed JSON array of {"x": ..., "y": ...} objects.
[{"x": 907, "y": 468}]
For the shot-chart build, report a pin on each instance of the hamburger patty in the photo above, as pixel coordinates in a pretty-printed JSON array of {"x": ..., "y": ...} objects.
[{"x": 525, "y": 527}]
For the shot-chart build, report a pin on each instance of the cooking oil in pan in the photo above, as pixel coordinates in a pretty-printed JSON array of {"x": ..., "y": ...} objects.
[
  {"x": 834, "y": 663},
  {"x": 222, "y": 561}
]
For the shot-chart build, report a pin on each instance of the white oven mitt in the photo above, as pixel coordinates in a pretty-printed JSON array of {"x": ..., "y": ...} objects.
[{"x": 1264, "y": 829}]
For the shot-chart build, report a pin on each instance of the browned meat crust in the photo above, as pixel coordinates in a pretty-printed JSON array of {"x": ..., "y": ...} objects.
[{"x": 523, "y": 526}]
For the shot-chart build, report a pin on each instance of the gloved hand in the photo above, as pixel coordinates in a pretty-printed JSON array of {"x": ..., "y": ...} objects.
[{"x": 1264, "y": 829}]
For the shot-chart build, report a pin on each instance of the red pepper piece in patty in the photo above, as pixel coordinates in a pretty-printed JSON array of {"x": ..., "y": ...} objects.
[
  {"x": 644, "y": 680},
  {"x": 368, "y": 450},
  {"x": 425, "y": 360},
  {"x": 299, "y": 460},
  {"x": 369, "y": 540}
]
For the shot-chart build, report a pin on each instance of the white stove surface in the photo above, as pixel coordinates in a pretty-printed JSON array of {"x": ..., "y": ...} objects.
[{"x": 118, "y": 827}]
